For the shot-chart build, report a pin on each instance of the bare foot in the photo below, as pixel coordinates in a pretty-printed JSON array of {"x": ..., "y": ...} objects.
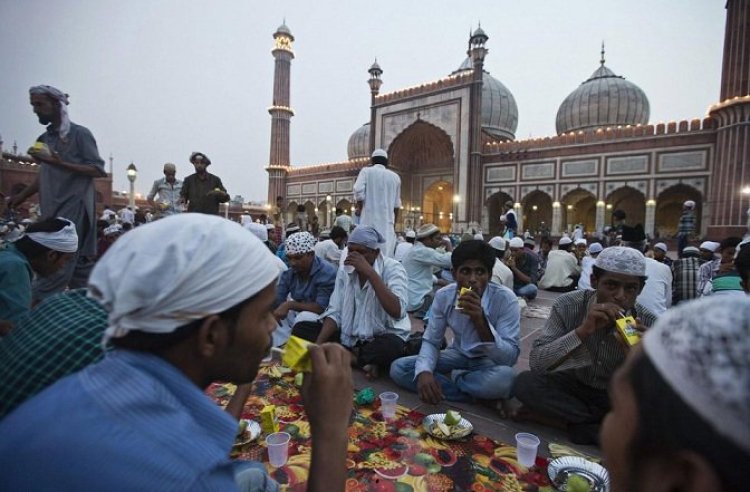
[{"x": 371, "y": 371}]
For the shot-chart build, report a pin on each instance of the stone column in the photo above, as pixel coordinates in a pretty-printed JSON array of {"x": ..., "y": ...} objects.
[
  {"x": 600, "y": 205},
  {"x": 650, "y": 216},
  {"x": 556, "y": 219}
]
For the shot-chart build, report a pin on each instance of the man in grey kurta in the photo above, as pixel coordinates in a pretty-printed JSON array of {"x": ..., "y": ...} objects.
[{"x": 68, "y": 163}]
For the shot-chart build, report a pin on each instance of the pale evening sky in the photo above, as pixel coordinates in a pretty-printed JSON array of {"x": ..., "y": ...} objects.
[{"x": 156, "y": 80}]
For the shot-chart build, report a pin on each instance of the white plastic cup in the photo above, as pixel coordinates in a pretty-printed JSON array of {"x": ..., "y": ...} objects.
[
  {"x": 278, "y": 448},
  {"x": 526, "y": 448},
  {"x": 388, "y": 402}
]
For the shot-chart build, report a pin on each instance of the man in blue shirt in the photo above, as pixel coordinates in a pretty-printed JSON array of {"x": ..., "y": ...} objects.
[
  {"x": 46, "y": 247},
  {"x": 305, "y": 289},
  {"x": 139, "y": 419},
  {"x": 485, "y": 322}
]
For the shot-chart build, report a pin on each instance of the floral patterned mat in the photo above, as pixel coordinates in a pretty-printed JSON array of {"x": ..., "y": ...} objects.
[{"x": 395, "y": 455}]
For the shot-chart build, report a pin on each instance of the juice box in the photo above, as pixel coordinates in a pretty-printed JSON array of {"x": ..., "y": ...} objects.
[
  {"x": 460, "y": 293},
  {"x": 268, "y": 421},
  {"x": 626, "y": 327},
  {"x": 296, "y": 357}
]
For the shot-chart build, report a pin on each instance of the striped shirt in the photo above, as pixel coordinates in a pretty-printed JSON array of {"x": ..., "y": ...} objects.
[
  {"x": 61, "y": 335},
  {"x": 559, "y": 348},
  {"x": 685, "y": 279},
  {"x": 687, "y": 223},
  {"x": 131, "y": 422}
]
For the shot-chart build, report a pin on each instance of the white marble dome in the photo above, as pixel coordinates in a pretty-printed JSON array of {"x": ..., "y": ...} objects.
[{"x": 359, "y": 143}]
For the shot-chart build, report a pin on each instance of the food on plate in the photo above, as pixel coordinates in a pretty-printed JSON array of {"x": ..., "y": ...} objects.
[
  {"x": 452, "y": 417},
  {"x": 241, "y": 428},
  {"x": 577, "y": 483}
]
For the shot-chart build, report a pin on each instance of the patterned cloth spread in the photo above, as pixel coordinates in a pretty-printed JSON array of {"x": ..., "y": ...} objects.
[{"x": 394, "y": 455}]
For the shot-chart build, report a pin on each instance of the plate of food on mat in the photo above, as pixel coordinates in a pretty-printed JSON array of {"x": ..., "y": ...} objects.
[
  {"x": 247, "y": 431},
  {"x": 448, "y": 426},
  {"x": 577, "y": 474}
]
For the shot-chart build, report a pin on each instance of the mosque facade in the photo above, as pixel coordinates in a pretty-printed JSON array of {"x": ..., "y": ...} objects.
[{"x": 453, "y": 143}]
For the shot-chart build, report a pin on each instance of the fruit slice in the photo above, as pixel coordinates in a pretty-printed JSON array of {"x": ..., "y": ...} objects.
[
  {"x": 444, "y": 429},
  {"x": 394, "y": 473},
  {"x": 452, "y": 417}
]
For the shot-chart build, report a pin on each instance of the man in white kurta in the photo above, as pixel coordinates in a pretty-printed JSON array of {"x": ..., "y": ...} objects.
[{"x": 379, "y": 190}]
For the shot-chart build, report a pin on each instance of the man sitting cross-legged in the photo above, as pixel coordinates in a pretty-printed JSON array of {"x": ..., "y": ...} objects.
[
  {"x": 573, "y": 360},
  {"x": 367, "y": 310},
  {"x": 139, "y": 419},
  {"x": 485, "y": 322}
]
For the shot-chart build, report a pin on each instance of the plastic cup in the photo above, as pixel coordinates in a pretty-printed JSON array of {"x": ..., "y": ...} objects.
[
  {"x": 388, "y": 402},
  {"x": 278, "y": 448},
  {"x": 526, "y": 447}
]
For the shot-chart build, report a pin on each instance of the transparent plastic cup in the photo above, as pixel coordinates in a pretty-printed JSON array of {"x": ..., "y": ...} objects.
[
  {"x": 526, "y": 448},
  {"x": 278, "y": 448},
  {"x": 388, "y": 402}
]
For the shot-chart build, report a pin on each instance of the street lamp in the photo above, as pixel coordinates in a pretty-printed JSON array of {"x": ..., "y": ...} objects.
[{"x": 132, "y": 173}]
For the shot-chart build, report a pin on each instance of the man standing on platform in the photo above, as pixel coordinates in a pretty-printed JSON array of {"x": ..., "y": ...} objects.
[
  {"x": 378, "y": 192},
  {"x": 68, "y": 163},
  {"x": 203, "y": 191},
  {"x": 168, "y": 188}
]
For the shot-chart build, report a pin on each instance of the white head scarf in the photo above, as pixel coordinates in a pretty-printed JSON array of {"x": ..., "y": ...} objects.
[
  {"x": 65, "y": 240},
  {"x": 701, "y": 350},
  {"x": 202, "y": 265},
  {"x": 259, "y": 230},
  {"x": 63, "y": 102}
]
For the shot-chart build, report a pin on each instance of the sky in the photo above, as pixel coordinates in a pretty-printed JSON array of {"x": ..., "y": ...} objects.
[{"x": 156, "y": 80}]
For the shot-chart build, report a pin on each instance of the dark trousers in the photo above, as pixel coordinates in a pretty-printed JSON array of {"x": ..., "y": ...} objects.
[
  {"x": 562, "y": 396},
  {"x": 380, "y": 351}
]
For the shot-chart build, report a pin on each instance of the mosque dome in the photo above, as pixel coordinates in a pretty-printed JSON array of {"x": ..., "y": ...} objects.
[
  {"x": 499, "y": 110},
  {"x": 284, "y": 29},
  {"x": 359, "y": 143},
  {"x": 604, "y": 100}
]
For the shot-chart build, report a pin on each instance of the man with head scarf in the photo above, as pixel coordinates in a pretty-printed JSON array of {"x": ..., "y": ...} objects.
[
  {"x": 44, "y": 249},
  {"x": 377, "y": 191},
  {"x": 304, "y": 289},
  {"x": 68, "y": 163},
  {"x": 577, "y": 353},
  {"x": 686, "y": 225},
  {"x": 420, "y": 262},
  {"x": 367, "y": 312},
  {"x": 168, "y": 188},
  {"x": 485, "y": 321},
  {"x": 679, "y": 417},
  {"x": 329, "y": 249},
  {"x": 203, "y": 191},
  {"x": 175, "y": 328}
]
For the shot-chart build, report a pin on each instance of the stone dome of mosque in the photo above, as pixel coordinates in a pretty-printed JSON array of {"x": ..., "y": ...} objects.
[
  {"x": 604, "y": 100},
  {"x": 359, "y": 143},
  {"x": 499, "y": 109}
]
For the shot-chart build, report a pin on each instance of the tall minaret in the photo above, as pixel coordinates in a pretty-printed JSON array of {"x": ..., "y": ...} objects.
[
  {"x": 469, "y": 212},
  {"x": 731, "y": 169},
  {"x": 281, "y": 113}
]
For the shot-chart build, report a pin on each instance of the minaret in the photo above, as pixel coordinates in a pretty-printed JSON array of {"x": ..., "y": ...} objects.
[
  {"x": 469, "y": 209},
  {"x": 281, "y": 113},
  {"x": 375, "y": 82},
  {"x": 731, "y": 167}
]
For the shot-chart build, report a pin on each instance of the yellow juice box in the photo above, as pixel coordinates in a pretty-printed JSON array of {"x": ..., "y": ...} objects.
[
  {"x": 626, "y": 327},
  {"x": 296, "y": 357},
  {"x": 268, "y": 421},
  {"x": 460, "y": 293}
]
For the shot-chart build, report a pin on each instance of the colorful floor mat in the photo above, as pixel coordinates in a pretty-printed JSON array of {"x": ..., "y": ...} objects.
[{"x": 395, "y": 455}]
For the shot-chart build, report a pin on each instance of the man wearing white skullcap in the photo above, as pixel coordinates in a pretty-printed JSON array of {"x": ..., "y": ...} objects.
[
  {"x": 562, "y": 272},
  {"x": 587, "y": 266},
  {"x": 686, "y": 226},
  {"x": 723, "y": 265},
  {"x": 525, "y": 267},
  {"x": 168, "y": 188},
  {"x": 419, "y": 263},
  {"x": 501, "y": 274},
  {"x": 377, "y": 191},
  {"x": 660, "y": 254},
  {"x": 577, "y": 353},
  {"x": 680, "y": 417},
  {"x": 686, "y": 275},
  {"x": 367, "y": 312},
  {"x": 176, "y": 327},
  {"x": 44, "y": 249},
  {"x": 68, "y": 163},
  {"x": 305, "y": 289},
  {"x": 404, "y": 246}
]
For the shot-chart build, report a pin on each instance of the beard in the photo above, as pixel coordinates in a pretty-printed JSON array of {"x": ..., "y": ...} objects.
[{"x": 44, "y": 119}]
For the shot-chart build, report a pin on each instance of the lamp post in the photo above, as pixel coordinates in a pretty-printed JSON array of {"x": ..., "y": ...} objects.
[
  {"x": 132, "y": 173},
  {"x": 329, "y": 219}
]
